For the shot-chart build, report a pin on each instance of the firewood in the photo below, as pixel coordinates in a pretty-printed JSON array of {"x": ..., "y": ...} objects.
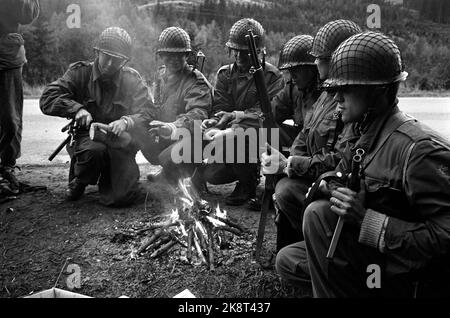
[
  {"x": 189, "y": 249},
  {"x": 230, "y": 229},
  {"x": 149, "y": 241},
  {"x": 165, "y": 248},
  {"x": 210, "y": 248},
  {"x": 199, "y": 249},
  {"x": 230, "y": 223}
]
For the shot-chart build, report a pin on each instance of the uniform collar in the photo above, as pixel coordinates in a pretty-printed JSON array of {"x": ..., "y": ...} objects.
[{"x": 96, "y": 75}]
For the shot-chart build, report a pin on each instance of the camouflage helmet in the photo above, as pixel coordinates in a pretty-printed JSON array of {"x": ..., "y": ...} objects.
[
  {"x": 239, "y": 30},
  {"x": 115, "y": 42},
  {"x": 368, "y": 58},
  {"x": 296, "y": 52},
  {"x": 174, "y": 39},
  {"x": 331, "y": 35}
]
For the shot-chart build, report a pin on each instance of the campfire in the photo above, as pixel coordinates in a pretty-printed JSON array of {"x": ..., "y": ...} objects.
[{"x": 194, "y": 226}]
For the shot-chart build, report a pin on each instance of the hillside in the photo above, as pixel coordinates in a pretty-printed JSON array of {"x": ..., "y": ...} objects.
[{"x": 51, "y": 46}]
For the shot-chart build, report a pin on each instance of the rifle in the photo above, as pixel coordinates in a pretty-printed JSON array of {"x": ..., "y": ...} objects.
[
  {"x": 354, "y": 184},
  {"x": 70, "y": 128},
  {"x": 269, "y": 123}
]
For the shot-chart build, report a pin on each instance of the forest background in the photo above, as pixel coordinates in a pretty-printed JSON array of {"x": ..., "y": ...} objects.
[{"x": 421, "y": 28}]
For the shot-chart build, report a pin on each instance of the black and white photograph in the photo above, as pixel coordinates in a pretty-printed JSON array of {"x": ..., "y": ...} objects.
[{"x": 239, "y": 152}]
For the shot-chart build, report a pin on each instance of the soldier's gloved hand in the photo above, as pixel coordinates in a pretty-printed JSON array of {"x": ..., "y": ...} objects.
[
  {"x": 225, "y": 118},
  {"x": 83, "y": 118},
  {"x": 273, "y": 163},
  {"x": 208, "y": 123},
  {"x": 118, "y": 127},
  {"x": 162, "y": 129}
]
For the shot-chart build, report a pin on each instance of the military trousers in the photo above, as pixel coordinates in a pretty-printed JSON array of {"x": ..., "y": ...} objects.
[
  {"x": 11, "y": 111},
  {"x": 114, "y": 170},
  {"x": 348, "y": 274}
]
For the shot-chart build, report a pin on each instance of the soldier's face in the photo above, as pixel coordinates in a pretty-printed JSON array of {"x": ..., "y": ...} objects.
[
  {"x": 174, "y": 61},
  {"x": 242, "y": 59},
  {"x": 353, "y": 102},
  {"x": 323, "y": 65},
  {"x": 302, "y": 76},
  {"x": 109, "y": 65}
]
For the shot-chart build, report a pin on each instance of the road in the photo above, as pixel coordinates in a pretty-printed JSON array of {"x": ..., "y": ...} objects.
[{"x": 42, "y": 134}]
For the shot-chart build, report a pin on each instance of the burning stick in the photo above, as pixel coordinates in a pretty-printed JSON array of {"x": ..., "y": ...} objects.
[
  {"x": 158, "y": 226},
  {"x": 210, "y": 248},
  {"x": 150, "y": 241},
  {"x": 230, "y": 229},
  {"x": 189, "y": 249},
  {"x": 165, "y": 248},
  {"x": 197, "y": 246},
  {"x": 230, "y": 223}
]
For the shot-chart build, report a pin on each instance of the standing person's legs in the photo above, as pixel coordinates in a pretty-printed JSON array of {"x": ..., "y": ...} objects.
[{"x": 11, "y": 111}]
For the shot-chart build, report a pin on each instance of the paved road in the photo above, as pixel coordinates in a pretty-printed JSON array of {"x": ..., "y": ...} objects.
[{"x": 42, "y": 134}]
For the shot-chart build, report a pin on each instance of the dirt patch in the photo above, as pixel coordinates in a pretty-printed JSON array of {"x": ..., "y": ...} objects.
[{"x": 40, "y": 232}]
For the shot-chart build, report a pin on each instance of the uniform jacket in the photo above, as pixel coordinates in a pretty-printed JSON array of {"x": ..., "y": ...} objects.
[
  {"x": 291, "y": 103},
  {"x": 185, "y": 98},
  {"x": 407, "y": 176},
  {"x": 313, "y": 151},
  {"x": 236, "y": 91},
  {"x": 81, "y": 87},
  {"x": 13, "y": 13}
]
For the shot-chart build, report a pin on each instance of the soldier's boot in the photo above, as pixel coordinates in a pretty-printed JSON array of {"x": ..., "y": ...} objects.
[
  {"x": 75, "y": 190},
  {"x": 8, "y": 173},
  {"x": 246, "y": 186}
]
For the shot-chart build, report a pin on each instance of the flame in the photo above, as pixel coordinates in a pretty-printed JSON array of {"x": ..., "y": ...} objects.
[
  {"x": 183, "y": 184},
  {"x": 215, "y": 222},
  {"x": 221, "y": 213},
  {"x": 175, "y": 216},
  {"x": 183, "y": 229}
]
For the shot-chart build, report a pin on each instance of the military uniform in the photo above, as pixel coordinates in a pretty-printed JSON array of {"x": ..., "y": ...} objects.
[
  {"x": 124, "y": 95},
  {"x": 185, "y": 98},
  {"x": 406, "y": 226},
  {"x": 12, "y": 58},
  {"x": 317, "y": 148},
  {"x": 291, "y": 103},
  {"x": 236, "y": 91}
]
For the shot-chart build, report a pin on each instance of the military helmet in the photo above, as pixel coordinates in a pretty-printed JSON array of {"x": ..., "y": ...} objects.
[
  {"x": 368, "y": 58},
  {"x": 239, "y": 30},
  {"x": 174, "y": 39},
  {"x": 115, "y": 42},
  {"x": 296, "y": 52},
  {"x": 331, "y": 35}
]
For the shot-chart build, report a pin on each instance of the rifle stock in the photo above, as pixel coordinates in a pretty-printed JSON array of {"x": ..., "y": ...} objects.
[{"x": 269, "y": 123}]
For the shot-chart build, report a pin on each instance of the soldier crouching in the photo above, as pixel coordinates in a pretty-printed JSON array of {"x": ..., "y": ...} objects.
[{"x": 105, "y": 92}]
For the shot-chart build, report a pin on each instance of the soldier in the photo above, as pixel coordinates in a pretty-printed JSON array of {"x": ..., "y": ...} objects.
[
  {"x": 184, "y": 95},
  {"x": 295, "y": 101},
  {"x": 236, "y": 104},
  {"x": 400, "y": 220},
  {"x": 108, "y": 92},
  {"x": 316, "y": 149},
  {"x": 12, "y": 59}
]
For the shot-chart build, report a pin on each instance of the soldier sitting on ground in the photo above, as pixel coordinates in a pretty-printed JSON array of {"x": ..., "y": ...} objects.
[
  {"x": 184, "y": 97},
  {"x": 399, "y": 222},
  {"x": 236, "y": 105}
]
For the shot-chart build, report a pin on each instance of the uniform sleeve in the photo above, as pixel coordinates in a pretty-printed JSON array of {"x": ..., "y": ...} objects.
[
  {"x": 60, "y": 98},
  {"x": 29, "y": 11},
  {"x": 198, "y": 100},
  {"x": 223, "y": 101},
  {"x": 282, "y": 105},
  {"x": 412, "y": 245},
  {"x": 142, "y": 109}
]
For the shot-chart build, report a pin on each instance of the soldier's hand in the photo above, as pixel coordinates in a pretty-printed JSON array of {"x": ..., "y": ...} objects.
[
  {"x": 83, "y": 118},
  {"x": 159, "y": 128},
  {"x": 273, "y": 163},
  {"x": 225, "y": 118},
  {"x": 208, "y": 123},
  {"x": 118, "y": 127},
  {"x": 349, "y": 205},
  {"x": 214, "y": 133}
]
